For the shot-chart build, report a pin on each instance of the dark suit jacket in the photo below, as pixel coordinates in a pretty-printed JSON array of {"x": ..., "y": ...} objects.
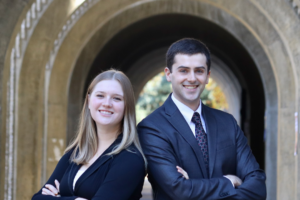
[
  {"x": 117, "y": 177},
  {"x": 168, "y": 141}
]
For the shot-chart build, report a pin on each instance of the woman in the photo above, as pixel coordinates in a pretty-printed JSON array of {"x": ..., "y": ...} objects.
[{"x": 105, "y": 161}]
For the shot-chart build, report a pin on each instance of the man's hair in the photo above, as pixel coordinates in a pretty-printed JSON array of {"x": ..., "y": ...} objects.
[{"x": 187, "y": 46}]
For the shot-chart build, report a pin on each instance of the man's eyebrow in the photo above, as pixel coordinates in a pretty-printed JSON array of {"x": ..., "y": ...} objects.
[
  {"x": 200, "y": 67},
  {"x": 184, "y": 67}
]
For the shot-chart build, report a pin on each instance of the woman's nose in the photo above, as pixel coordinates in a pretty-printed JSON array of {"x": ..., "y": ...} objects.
[{"x": 107, "y": 102}]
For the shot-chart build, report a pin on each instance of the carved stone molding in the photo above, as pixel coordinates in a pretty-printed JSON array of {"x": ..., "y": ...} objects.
[
  {"x": 74, "y": 17},
  {"x": 296, "y": 6},
  {"x": 86, "y": 5},
  {"x": 28, "y": 24}
]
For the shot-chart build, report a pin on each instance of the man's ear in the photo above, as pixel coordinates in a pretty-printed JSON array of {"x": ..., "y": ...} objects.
[
  {"x": 207, "y": 78},
  {"x": 168, "y": 74}
]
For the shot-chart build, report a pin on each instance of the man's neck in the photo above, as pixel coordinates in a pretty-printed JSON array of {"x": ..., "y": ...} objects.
[{"x": 193, "y": 105}]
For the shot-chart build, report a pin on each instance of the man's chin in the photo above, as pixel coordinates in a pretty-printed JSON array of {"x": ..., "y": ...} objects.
[
  {"x": 193, "y": 100},
  {"x": 192, "y": 97}
]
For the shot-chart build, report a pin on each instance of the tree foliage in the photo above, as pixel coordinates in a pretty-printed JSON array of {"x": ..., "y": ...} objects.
[{"x": 157, "y": 90}]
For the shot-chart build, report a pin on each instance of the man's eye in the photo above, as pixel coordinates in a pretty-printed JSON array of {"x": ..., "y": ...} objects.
[
  {"x": 183, "y": 71},
  {"x": 200, "y": 71}
]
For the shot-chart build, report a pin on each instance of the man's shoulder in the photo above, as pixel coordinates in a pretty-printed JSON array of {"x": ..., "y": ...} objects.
[
  {"x": 218, "y": 114},
  {"x": 156, "y": 115}
]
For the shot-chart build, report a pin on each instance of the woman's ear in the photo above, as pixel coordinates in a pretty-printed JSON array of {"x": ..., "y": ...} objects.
[{"x": 88, "y": 100}]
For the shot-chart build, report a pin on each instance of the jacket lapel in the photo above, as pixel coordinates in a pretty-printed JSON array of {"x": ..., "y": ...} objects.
[
  {"x": 211, "y": 130},
  {"x": 72, "y": 174},
  {"x": 179, "y": 123},
  {"x": 98, "y": 163}
]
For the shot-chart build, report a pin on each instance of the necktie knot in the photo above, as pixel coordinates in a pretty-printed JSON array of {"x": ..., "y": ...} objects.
[{"x": 196, "y": 118}]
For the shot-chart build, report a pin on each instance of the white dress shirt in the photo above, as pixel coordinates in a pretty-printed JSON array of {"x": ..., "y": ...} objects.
[{"x": 188, "y": 113}]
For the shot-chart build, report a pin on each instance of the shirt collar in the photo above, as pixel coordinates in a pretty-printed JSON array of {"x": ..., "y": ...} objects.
[{"x": 186, "y": 111}]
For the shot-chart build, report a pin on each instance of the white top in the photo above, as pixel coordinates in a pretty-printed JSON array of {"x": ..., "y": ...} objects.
[
  {"x": 78, "y": 174},
  {"x": 188, "y": 113}
]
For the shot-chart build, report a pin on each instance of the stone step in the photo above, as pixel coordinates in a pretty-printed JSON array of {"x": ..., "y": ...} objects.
[{"x": 147, "y": 191}]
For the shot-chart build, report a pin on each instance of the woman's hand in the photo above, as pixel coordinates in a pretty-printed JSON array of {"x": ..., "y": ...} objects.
[
  {"x": 51, "y": 190},
  {"x": 181, "y": 171},
  {"x": 54, "y": 191}
]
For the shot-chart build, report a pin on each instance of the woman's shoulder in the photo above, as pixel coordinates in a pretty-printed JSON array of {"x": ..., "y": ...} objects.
[
  {"x": 129, "y": 159},
  {"x": 67, "y": 155},
  {"x": 131, "y": 153}
]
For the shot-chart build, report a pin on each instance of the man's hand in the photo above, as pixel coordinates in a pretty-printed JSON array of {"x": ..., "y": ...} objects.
[
  {"x": 236, "y": 181},
  {"x": 184, "y": 173}
]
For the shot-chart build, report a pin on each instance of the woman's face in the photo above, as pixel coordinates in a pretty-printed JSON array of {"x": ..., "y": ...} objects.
[{"x": 106, "y": 103}]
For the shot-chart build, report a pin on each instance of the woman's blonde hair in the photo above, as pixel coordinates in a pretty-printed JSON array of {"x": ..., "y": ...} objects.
[{"x": 86, "y": 142}]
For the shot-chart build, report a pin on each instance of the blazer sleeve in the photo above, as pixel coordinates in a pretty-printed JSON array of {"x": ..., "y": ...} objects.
[
  {"x": 162, "y": 169},
  {"x": 57, "y": 174},
  {"x": 125, "y": 177},
  {"x": 248, "y": 170}
]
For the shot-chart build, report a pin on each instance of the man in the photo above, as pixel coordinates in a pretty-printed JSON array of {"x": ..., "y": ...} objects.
[{"x": 193, "y": 151}]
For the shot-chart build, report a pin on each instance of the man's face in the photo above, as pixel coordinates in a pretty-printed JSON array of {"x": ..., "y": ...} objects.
[{"x": 188, "y": 78}]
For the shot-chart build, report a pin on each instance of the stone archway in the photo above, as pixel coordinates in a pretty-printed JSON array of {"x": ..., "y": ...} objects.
[
  {"x": 55, "y": 81},
  {"x": 146, "y": 67},
  {"x": 163, "y": 30},
  {"x": 225, "y": 20}
]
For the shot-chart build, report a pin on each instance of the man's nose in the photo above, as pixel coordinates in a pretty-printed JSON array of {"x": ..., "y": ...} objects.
[{"x": 191, "y": 77}]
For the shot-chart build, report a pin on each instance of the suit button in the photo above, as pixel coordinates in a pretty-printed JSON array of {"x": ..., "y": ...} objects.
[{"x": 223, "y": 194}]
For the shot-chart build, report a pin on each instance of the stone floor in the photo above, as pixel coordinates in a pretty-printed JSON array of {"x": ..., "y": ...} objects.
[{"x": 147, "y": 191}]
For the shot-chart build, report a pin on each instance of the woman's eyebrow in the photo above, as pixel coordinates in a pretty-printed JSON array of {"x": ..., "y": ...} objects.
[{"x": 99, "y": 91}]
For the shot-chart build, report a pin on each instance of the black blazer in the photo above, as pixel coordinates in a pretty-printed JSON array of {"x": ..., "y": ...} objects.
[
  {"x": 117, "y": 177},
  {"x": 168, "y": 141}
]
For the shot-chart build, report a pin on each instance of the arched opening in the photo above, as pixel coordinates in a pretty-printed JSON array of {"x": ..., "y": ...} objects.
[
  {"x": 146, "y": 38},
  {"x": 235, "y": 41},
  {"x": 266, "y": 42},
  {"x": 157, "y": 90},
  {"x": 221, "y": 75}
]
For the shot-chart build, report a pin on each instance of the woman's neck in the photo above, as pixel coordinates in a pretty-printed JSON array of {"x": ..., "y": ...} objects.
[{"x": 107, "y": 135}]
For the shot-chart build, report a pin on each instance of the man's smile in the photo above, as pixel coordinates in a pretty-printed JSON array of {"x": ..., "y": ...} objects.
[{"x": 190, "y": 86}]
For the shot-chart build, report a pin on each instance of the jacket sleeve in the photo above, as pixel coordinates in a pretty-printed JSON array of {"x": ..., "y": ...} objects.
[
  {"x": 163, "y": 173},
  {"x": 248, "y": 170},
  {"x": 125, "y": 177},
  {"x": 57, "y": 174}
]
